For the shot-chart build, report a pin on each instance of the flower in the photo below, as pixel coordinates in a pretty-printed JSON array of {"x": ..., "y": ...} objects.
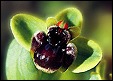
[{"x": 23, "y": 27}]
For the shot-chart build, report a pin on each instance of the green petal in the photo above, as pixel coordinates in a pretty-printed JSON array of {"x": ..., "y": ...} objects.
[
  {"x": 89, "y": 55},
  {"x": 23, "y": 26},
  {"x": 51, "y": 21},
  {"x": 19, "y": 64},
  {"x": 95, "y": 76},
  {"x": 27, "y": 67},
  {"x": 12, "y": 71},
  {"x": 69, "y": 75},
  {"x": 72, "y": 16},
  {"x": 74, "y": 31}
]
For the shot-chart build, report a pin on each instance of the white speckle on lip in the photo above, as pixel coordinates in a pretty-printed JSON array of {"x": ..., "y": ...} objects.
[
  {"x": 56, "y": 44},
  {"x": 63, "y": 49},
  {"x": 37, "y": 55},
  {"x": 56, "y": 32},
  {"x": 43, "y": 56}
]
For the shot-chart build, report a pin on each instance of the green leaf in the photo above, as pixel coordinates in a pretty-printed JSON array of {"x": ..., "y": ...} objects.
[
  {"x": 74, "y": 31},
  {"x": 95, "y": 76},
  {"x": 89, "y": 55},
  {"x": 101, "y": 69},
  {"x": 19, "y": 64},
  {"x": 23, "y": 26},
  {"x": 51, "y": 21},
  {"x": 72, "y": 16}
]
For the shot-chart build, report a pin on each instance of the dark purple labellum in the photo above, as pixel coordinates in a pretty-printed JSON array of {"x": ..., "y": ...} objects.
[
  {"x": 38, "y": 39},
  {"x": 52, "y": 51},
  {"x": 48, "y": 57},
  {"x": 69, "y": 56}
]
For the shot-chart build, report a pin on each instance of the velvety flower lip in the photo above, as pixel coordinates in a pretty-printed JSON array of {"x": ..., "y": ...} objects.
[{"x": 52, "y": 51}]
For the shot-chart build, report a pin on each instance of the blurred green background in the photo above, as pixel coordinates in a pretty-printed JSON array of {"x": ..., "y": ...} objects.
[{"x": 97, "y": 23}]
